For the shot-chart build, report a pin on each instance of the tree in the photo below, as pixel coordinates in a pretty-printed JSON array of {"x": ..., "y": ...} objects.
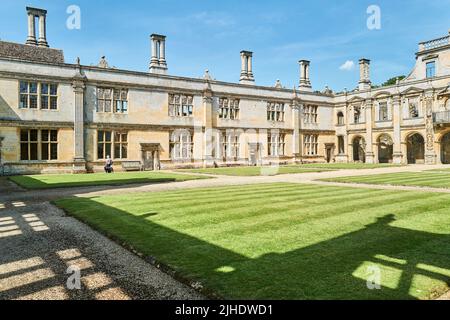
[{"x": 393, "y": 81}]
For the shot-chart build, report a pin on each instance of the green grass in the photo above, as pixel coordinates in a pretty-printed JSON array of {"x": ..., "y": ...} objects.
[
  {"x": 255, "y": 171},
  {"x": 355, "y": 166},
  {"x": 286, "y": 241},
  {"x": 419, "y": 179},
  {"x": 287, "y": 169},
  {"x": 97, "y": 179}
]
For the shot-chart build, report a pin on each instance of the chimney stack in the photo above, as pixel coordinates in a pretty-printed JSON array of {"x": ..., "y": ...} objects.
[
  {"x": 364, "y": 74},
  {"x": 41, "y": 15},
  {"x": 305, "y": 83},
  {"x": 158, "y": 62},
  {"x": 246, "y": 68}
]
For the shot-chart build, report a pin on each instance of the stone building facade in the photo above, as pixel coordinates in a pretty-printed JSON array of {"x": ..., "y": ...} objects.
[{"x": 68, "y": 117}]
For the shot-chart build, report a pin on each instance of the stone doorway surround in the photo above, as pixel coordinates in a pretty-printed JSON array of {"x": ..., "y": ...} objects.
[
  {"x": 150, "y": 156},
  {"x": 254, "y": 154}
]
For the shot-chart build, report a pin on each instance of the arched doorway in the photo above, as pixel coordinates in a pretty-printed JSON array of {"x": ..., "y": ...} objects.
[
  {"x": 445, "y": 148},
  {"x": 359, "y": 149},
  {"x": 385, "y": 149},
  {"x": 415, "y": 145}
]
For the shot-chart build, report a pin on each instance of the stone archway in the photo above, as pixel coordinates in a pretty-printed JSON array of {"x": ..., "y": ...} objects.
[
  {"x": 359, "y": 149},
  {"x": 445, "y": 148},
  {"x": 385, "y": 149},
  {"x": 415, "y": 146}
]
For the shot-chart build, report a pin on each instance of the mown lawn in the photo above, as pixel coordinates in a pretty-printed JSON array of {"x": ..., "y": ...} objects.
[
  {"x": 419, "y": 179},
  {"x": 355, "y": 166},
  {"x": 97, "y": 179},
  {"x": 256, "y": 171},
  {"x": 270, "y": 171},
  {"x": 286, "y": 241}
]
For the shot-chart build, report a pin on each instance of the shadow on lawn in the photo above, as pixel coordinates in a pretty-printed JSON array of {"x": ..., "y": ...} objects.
[
  {"x": 327, "y": 270},
  {"x": 29, "y": 182}
]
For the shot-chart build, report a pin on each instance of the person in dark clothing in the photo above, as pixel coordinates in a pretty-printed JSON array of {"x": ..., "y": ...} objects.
[{"x": 109, "y": 165}]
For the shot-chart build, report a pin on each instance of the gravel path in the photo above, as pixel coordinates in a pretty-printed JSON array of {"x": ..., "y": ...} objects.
[{"x": 38, "y": 242}]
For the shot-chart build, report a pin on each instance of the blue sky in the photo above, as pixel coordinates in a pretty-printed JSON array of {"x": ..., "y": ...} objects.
[{"x": 208, "y": 34}]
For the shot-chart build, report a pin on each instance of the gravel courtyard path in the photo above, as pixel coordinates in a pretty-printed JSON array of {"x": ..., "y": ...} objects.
[{"x": 41, "y": 248}]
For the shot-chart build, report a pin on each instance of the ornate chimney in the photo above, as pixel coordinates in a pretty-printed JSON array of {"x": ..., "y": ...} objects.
[
  {"x": 305, "y": 83},
  {"x": 364, "y": 74},
  {"x": 158, "y": 62},
  {"x": 41, "y": 15},
  {"x": 246, "y": 68}
]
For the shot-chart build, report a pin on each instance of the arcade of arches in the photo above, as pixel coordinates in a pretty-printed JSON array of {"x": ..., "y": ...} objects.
[
  {"x": 385, "y": 148},
  {"x": 415, "y": 146},
  {"x": 359, "y": 147},
  {"x": 445, "y": 148}
]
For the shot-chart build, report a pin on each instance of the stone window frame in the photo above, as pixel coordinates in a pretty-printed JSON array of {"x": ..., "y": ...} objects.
[
  {"x": 408, "y": 101},
  {"x": 181, "y": 145},
  {"x": 276, "y": 111},
  {"x": 276, "y": 144},
  {"x": 357, "y": 114},
  {"x": 120, "y": 141},
  {"x": 230, "y": 144},
  {"x": 38, "y": 96},
  {"x": 229, "y": 108},
  {"x": 385, "y": 104},
  {"x": 39, "y": 143},
  {"x": 181, "y": 105},
  {"x": 310, "y": 114},
  {"x": 113, "y": 97},
  {"x": 341, "y": 144},
  {"x": 311, "y": 144},
  {"x": 427, "y": 69},
  {"x": 111, "y": 144},
  {"x": 340, "y": 118}
]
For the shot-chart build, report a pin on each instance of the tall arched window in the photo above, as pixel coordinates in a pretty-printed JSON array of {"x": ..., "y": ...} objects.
[{"x": 340, "y": 118}]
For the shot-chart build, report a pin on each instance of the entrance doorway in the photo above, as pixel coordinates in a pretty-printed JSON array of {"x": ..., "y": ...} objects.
[
  {"x": 150, "y": 156},
  {"x": 254, "y": 154},
  {"x": 415, "y": 146},
  {"x": 329, "y": 150},
  {"x": 359, "y": 149},
  {"x": 445, "y": 149},
  {"x": 385, "y": 149}
]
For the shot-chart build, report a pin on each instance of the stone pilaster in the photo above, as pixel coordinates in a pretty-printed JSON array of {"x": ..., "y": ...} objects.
[
  {"x": 208, "y": 138},
  {"x": 430, "y": 155},
  {"x": 397, "y": 154},
  {"x": 78, "y": 85},
  {"x": 296, "y": 125},
  {"x": 370, "y": 156}
]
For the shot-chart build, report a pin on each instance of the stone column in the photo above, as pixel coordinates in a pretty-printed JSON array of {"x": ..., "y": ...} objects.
[
  {"x": 158, "y": 63},
  {"x": 430, "y": 155},
  {"x": 397, "y": 155},
  {"x": 154, "y": 58},
  {"x": 162, "y": 52},
  {"x": 243, "y": 65},
  {"x": 78, "y": 85},
  {"x": 246, "y": 68},
  {"x": 31, "y": 39},
  {"x": 42, "y": 42},
  {"x": 364, "y": 75},
  {"x": 249, "y": 66},
  {"x": 369, "y": 138},
  {"x": 305, "y": 83}
]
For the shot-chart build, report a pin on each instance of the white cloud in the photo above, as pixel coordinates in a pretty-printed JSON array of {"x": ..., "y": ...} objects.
[{"x": 347, "y": 66}]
